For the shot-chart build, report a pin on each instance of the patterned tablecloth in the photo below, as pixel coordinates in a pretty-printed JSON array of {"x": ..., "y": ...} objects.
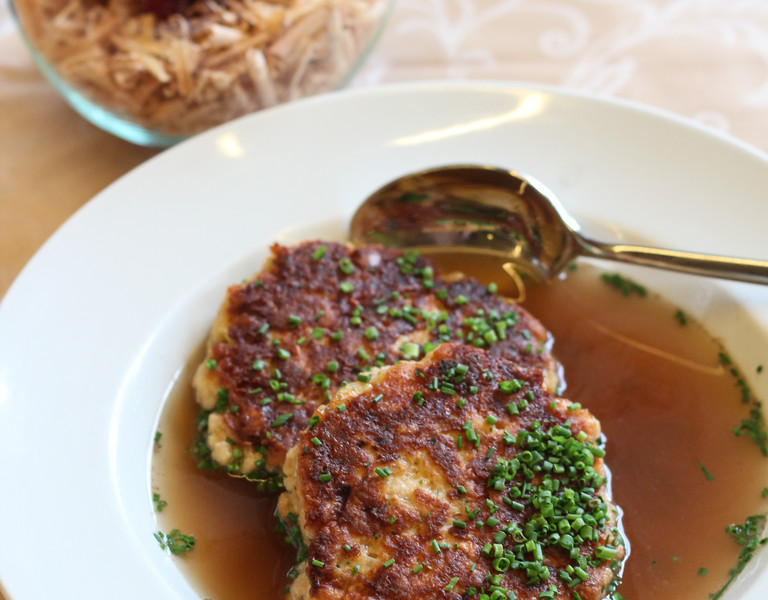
[{"x": 706, "y": 60}]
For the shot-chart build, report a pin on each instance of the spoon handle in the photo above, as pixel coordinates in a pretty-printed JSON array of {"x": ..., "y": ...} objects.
[{"x": 724, "y": 267}]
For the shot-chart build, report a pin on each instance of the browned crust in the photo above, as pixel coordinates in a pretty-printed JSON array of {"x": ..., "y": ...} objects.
[
  {"x": 296, "y": 283},
  {"x": 384, "y": 426}
]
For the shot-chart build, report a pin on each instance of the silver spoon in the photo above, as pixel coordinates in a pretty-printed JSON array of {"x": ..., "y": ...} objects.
[{"x": 491, "y": 211}]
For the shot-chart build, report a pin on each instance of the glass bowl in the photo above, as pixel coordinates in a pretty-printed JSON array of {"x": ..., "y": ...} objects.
[{"x": 155, "y": 72}]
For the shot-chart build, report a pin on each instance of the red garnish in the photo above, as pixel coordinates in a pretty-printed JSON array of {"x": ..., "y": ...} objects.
[{"x": 164, "y": 8}]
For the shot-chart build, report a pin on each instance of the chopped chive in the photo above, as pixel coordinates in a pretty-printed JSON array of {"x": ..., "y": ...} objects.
[
  {"x": 175, "y": 541},
  {"x": 319, "y": 252},
  {"x": 283, "y": 354},
  {"x": 410, "y": 351},
  {"x": 160, "y": 504},
  {"x": 317, "y": 563},
  {"x": 472, "y": 437},
  {"x": 605, "y": 553},
  {"x": 704, "y": 470},
  {"x": 346, "y": 266},
  {"x": 325, "y": 477},
  {"x": 417, "y": 568},
  {"x": 509, "y": 387},
  {"x": 389, "y": 563},
  {"x": 281, "y": 419},
  {"x": 451, "y": 583},
  {"x": 624, "y": 285},
  {"x": 316, "y": 441}
]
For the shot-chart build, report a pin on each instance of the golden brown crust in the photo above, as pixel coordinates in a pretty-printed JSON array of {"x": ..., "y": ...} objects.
[
  {"x": 396, "y": 476},
  {"x": 318, "y": 315}
]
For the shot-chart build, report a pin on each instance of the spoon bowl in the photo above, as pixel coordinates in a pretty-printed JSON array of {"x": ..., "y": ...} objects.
[{"x": 502, "y": 213}]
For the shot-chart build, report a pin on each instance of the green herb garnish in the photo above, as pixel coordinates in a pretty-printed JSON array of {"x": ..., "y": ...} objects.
[
  {"x": 623, "y": 284},
  {"x": 175, "y": 541},
  {"x": 747, "y": 536}
]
